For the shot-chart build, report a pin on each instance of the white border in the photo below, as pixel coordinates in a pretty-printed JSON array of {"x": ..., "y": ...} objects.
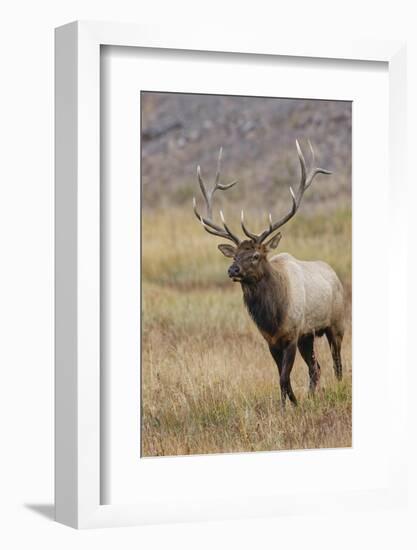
[{"x": 78, "y": 261}]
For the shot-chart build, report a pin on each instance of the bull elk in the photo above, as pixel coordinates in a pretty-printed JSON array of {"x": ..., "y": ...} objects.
[{"x": 291, "y": 301}]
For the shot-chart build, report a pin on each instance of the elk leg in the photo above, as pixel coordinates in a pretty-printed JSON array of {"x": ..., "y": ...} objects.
[
  {"x": 335, "y": 343},
  {"x": 288, "y": 357},
  {"x": 277, "y": 355},
  {"x": 306, "y": 347},
  {"x": 284, "y": 358}
]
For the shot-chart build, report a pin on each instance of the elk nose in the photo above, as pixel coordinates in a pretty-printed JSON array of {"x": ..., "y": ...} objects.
[{"x": 233, "y": 270}]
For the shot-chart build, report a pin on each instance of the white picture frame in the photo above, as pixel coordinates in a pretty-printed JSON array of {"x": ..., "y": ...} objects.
[{"x": 78, "y": 410}]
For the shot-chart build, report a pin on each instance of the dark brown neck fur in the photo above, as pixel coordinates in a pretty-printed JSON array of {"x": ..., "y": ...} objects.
[{"x": 267, "y": 300}]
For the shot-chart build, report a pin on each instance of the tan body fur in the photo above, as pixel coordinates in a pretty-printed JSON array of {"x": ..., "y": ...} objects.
[{"x": 315, "y": 298}]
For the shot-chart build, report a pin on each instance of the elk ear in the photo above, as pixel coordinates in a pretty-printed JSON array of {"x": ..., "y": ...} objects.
[
  {"x": 227, "y": 249},
  {"x": 273, "y": 243}
]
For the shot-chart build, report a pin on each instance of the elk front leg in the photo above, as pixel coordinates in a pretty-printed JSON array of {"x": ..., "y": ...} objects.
[{"x": 284, "y": 358}]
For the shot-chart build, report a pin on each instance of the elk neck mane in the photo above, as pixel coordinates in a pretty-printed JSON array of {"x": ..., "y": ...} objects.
[{"x": 267, "y": 300}]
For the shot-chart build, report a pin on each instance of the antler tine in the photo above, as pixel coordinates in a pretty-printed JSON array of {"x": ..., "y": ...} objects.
[
  {"x": 272, "y": 227},
  {"x": 214, "y": 232},
  {"x": 219, "y": 164},
  {"x": 314, "y": 171},
  {"x": 207, "y": 222},
  {"x": 204, "y": 191},
  {"x": 303, "y": 169},
  {"x": 227, "y": 228},
  {"x": 305, "y": 182},
  {"x": 217, "y": 184},
  {"x": 214, "y": 229},
  {"x": 313, "y": 156},
  {"x": 204, "y": 221},
  {"x": 224, "y": 187},
  {"x": 248, "y": 233}
]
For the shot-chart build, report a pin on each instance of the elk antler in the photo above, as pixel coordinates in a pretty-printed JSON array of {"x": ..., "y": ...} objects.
[
  {"x": 207, "y": 222},
  {"x": 306, "y": 181}
]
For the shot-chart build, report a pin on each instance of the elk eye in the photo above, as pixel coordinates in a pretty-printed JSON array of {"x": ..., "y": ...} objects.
[{"x": 256, "y": 256}]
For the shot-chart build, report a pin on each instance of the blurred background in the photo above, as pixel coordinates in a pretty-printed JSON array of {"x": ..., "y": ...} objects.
[
  {"x": 180, "y": 131},
  {"x": 208, "y": 382}
]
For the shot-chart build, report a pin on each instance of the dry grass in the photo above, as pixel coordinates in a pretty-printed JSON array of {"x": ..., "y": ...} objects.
[{"x": 209, "y": 384}]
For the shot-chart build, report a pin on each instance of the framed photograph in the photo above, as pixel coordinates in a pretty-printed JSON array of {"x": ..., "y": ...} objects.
[
  {"x": 224, "y": 327},
  {"x": 206, "y": 373}
]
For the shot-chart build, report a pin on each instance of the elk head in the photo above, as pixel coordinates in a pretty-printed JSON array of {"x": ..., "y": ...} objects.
[{"x": 250, "y": 263}]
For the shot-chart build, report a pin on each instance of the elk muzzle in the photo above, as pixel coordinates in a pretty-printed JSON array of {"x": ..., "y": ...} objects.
[{"x": 234, "y": 272}]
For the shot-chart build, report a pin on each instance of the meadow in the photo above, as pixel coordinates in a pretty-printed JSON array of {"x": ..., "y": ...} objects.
[{"x": 209, "y": 384}]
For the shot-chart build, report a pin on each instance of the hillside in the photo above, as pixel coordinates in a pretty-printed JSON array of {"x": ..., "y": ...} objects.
[{"x": 180, "y": 131}]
